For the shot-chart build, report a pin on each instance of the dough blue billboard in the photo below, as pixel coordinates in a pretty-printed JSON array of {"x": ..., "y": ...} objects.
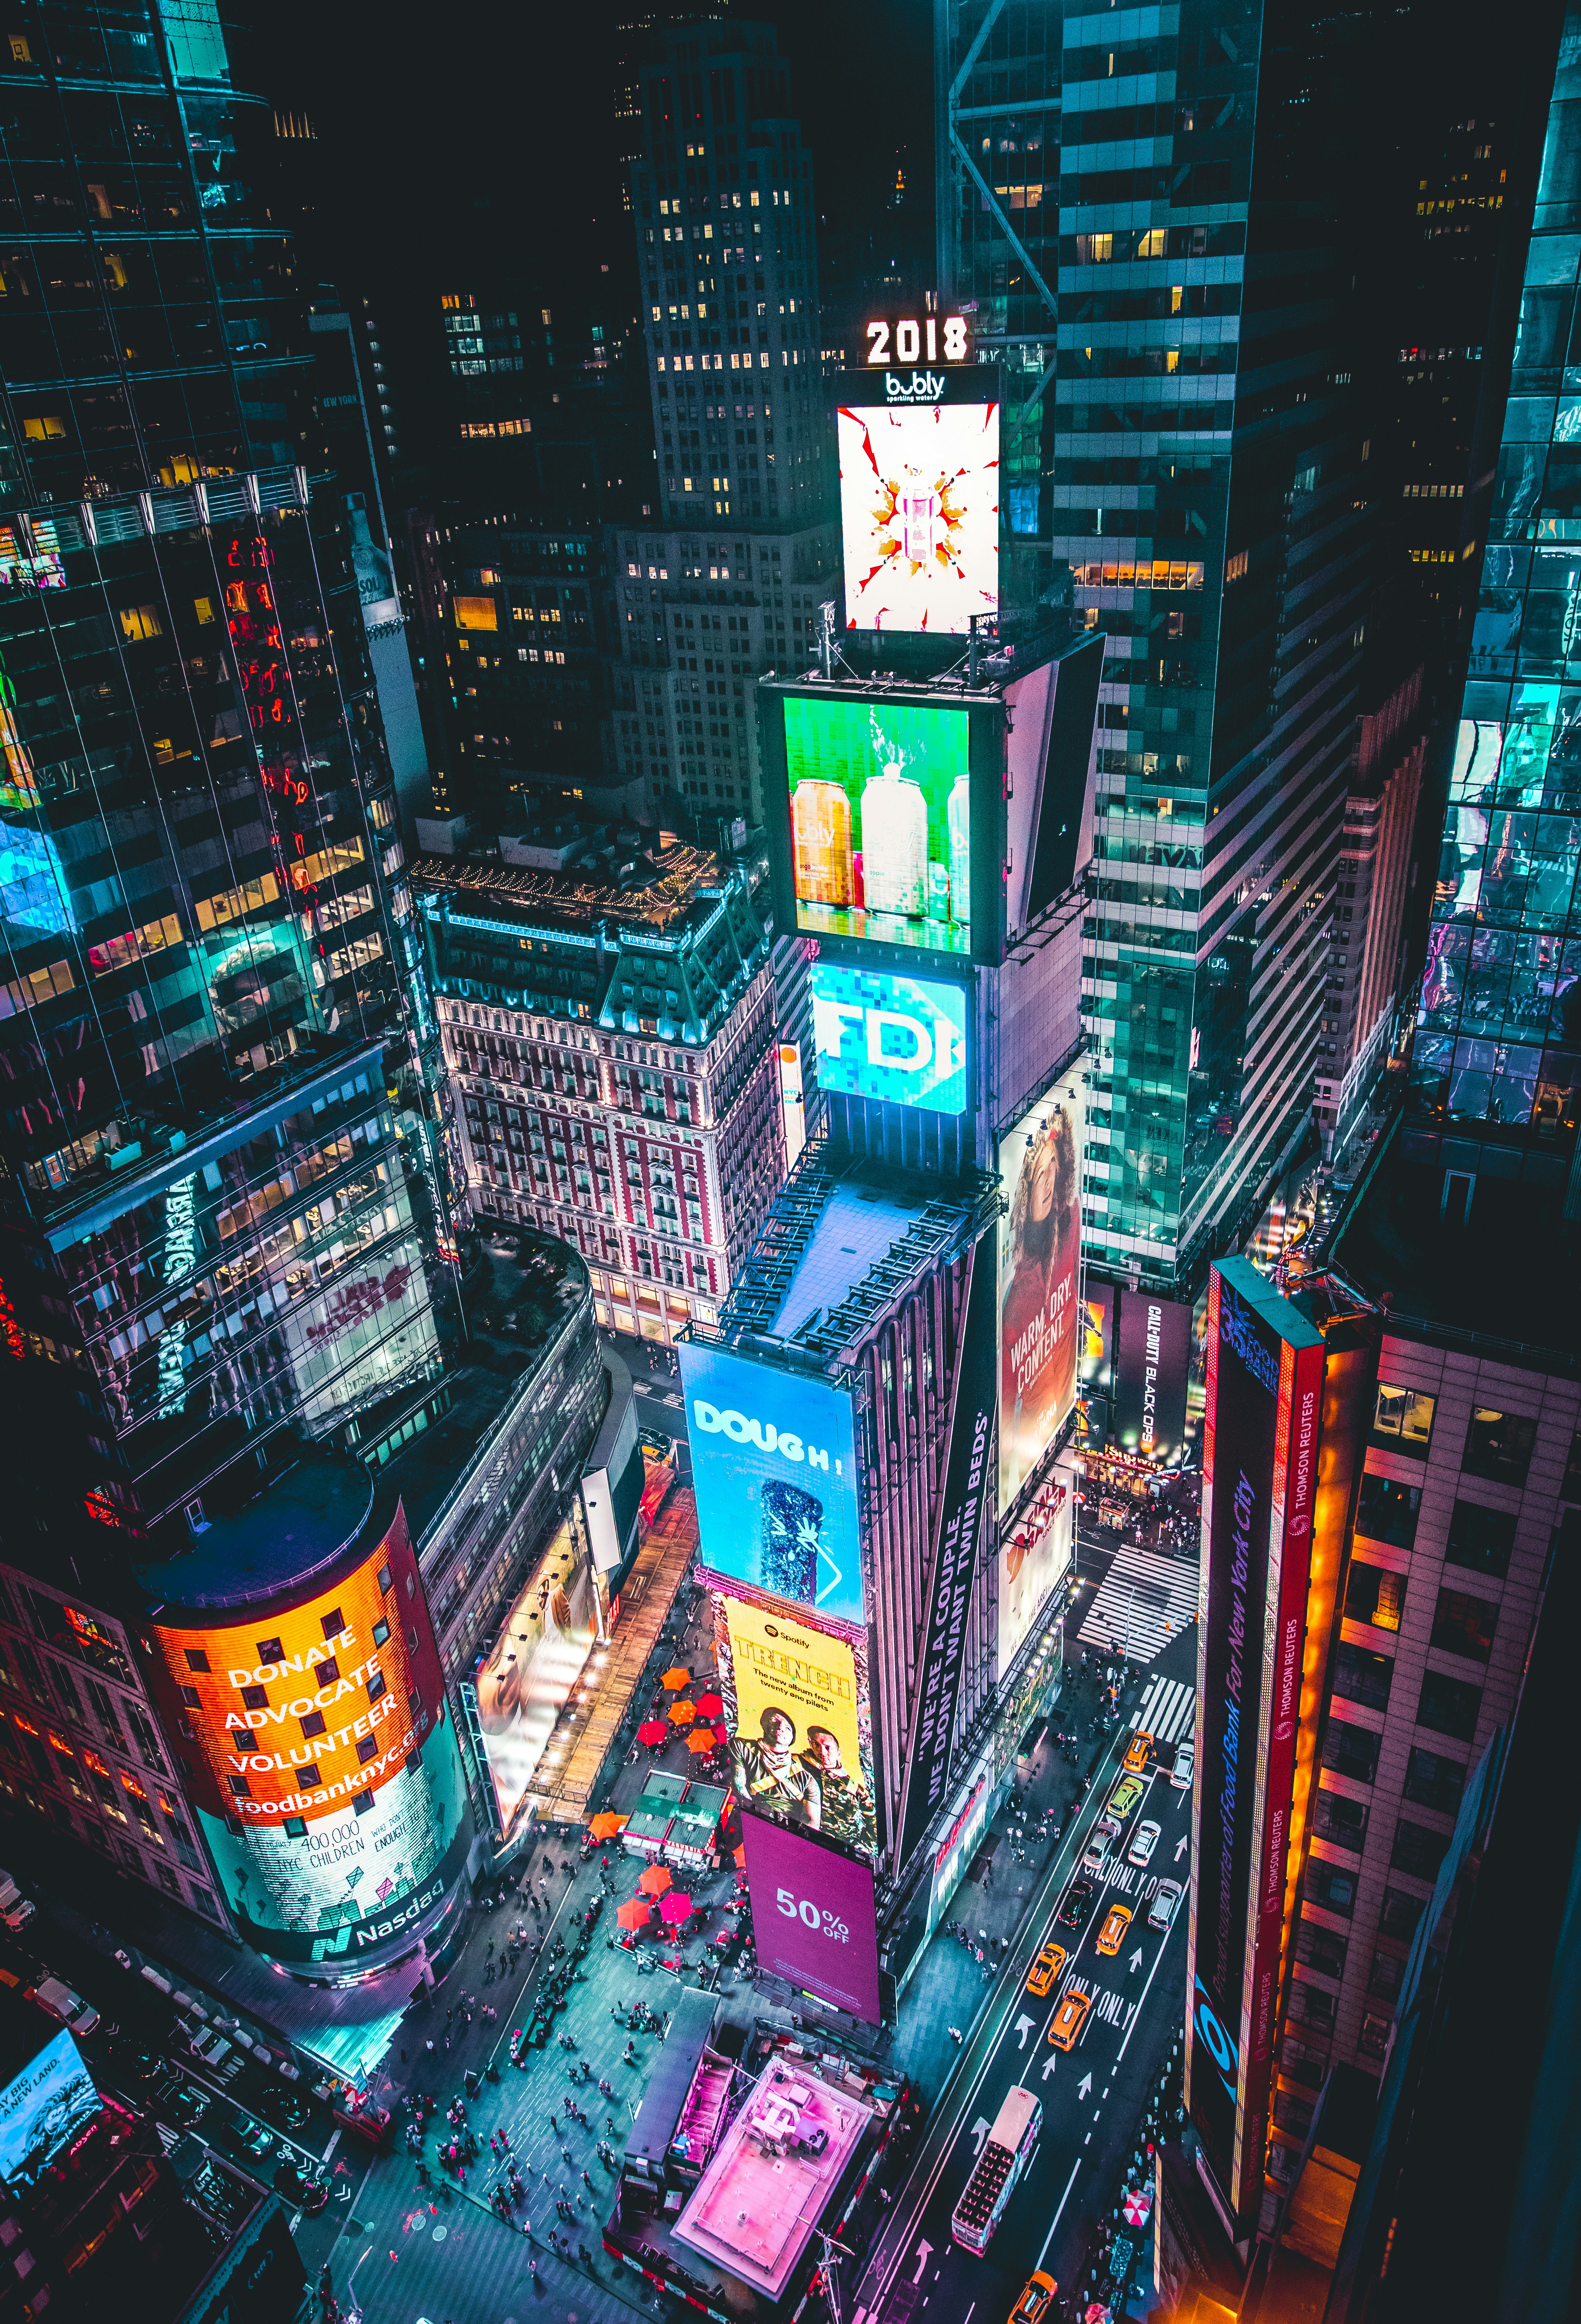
[
  {"x": 775, "y": 1470},
  {"x": 902, "y": 1038}
]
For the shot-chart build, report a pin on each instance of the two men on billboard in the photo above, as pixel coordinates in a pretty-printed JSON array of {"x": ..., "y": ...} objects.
[
  {"x": 800, "y": 1750},
  {"x": 1040, "y": 1246}
]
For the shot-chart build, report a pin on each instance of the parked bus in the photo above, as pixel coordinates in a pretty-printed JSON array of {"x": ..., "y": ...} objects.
[{"x": 1005, "y": 2155}]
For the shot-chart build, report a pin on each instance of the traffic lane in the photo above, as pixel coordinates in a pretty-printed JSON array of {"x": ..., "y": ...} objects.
[{"x": 978, "y": 2085}]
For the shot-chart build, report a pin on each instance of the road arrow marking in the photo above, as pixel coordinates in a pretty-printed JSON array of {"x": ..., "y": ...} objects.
[
  {"x": 978, "y": 2132},
  {"x": 1136, "y": 1961},
  {"x": 1049, "y": 2068},
  {"x": 1084, "y": 2088},
  {"x": 1023, "y": 2026},
  {"x": 1185, "y": 1844},
  {"x": 924, "y": 2254}
]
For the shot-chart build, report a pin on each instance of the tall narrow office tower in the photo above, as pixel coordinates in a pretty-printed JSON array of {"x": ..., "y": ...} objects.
[
  {"x": 1137, "y": 206},
  {"x": 213, "y": 1142},
  {"x": 726, "y": 583}
]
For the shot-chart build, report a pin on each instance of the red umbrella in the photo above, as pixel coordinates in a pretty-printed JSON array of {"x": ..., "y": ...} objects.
[
  {"x": 741, "y": 1858},
  {"x": 652, "y": 1730},
  {"x": 636, "y": 1912},
  {"x": 721, "y": 1733},
  {"x": 709, "y": 1706},
  {"x": 655, "y": 1880},
  {"x": 675, "y": 1908}
]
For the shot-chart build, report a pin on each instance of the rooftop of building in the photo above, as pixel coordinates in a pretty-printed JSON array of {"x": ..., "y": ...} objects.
[
  {"x": 608, "y": 876},
  {"x": 915, "y": 666},
  {"x": 844, "y": 1238},
  {"x": 1501, "y": 1276}
]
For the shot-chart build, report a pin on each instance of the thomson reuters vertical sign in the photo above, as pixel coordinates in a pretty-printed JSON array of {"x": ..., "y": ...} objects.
[{"x": 1260, "y": 1471}]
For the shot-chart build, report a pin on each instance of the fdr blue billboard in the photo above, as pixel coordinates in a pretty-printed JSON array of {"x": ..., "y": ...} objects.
[
  {"x": 775, "y": 1470},
  {"x": 899, "y": 1038}
]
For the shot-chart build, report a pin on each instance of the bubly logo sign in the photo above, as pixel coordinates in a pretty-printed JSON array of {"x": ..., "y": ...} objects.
[
  {"x": 899, "y": 1038},
  {"x": 760, "y": 1432},
  {"x": 913, "y": 387}
]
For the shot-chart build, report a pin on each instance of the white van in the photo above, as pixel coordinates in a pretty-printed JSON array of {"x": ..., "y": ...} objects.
[
  {"x": 15, "y": 1909},
  {"x": 58, "y": 2000}
]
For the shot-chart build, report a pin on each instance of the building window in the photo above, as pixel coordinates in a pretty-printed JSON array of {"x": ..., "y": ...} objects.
[
  {"x": 139, "y": 622},
  {"x": 1373, "y": 2039},
  {"x": 1351, "y": 1750},
  {"x": 1328, "y": 1885},
  {"x": 1323, "y": 1950},
  {"x": 1399, "y": 1915},
  {"x": 1384, "y": 1978},
  {"x": 332, "y": 1623},
  {"x": 270, "y": 1650},
  {"x": 197, "y": 1659},
  {"x": 1450, "y": 1706},
  {"x": 255, "y": 1698},
  {"x": 1434, "y": 1782},
  {"x": 327, "y": 1672},
  {"x": 1340, "y": 1819},
  {"x": 1498, "y": 1447},
  {"x": 1464, "y": 1625},
  {"x": 307, "y": 1779},
  {"x": 1375, "y": 1595},
  {"x": 1570, "y": 1491},
  {"x": 313, "y": 1724},
  {"x": 1387, "y": 1511},
  {"x": 1403, "y": 1419},
  {"x": 1364, "y": 1677},
  {"x": 1481, "y": 1539},
  {"x": 1417, "y": 1851}
]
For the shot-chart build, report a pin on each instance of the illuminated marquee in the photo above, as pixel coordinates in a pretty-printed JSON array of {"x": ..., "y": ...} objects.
[
  {"x": 181, "y": 1257},
  {"x": 913, "y": 340}
]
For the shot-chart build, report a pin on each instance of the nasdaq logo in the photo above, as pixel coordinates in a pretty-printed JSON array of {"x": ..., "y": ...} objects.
[{"x": 902, "y": 1040}]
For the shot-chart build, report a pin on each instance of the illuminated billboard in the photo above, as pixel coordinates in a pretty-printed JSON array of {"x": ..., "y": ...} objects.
[
  {"x": 919, "y": 505},
  {"x": 801, "y": 1728},
  {"x": 902, "y": 1040},
  {"x": 1040, "y": 1246},
  {"x": 329, "y": 1784},
  {"x": 774, "y": 1472},
  {"x": 1260, "y": 1467},
  {"x": 1033, "y": 1554},
  {"x": 813, "y": 1916},
  {"x": 880, "y": 836},
  {"x": 42, "y": 2110},
  {"x": 535, "y": 1663},
  {"x": 1150, "y": 1376}
]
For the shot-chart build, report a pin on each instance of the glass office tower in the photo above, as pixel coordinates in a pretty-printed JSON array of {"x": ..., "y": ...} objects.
[
  {"x": 1135, "y": 204},
  {"x": 213, "y": 1136},
  {"x": 1496, "y": 1072}
]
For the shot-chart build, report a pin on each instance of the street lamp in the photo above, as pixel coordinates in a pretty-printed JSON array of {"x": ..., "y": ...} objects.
[{"x": 353, "y": 2313}]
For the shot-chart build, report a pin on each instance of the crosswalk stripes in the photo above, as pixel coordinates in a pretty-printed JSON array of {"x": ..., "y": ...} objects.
[
  {"x": 1143, "y": 1602},
  {"x": 1167, "y": 1708}
]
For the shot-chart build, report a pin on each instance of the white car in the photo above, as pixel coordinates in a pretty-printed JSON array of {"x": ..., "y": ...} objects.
[
  {"x": 1148, "y": 1836},
  {"x": 1165, "y": 1905},
  {"x": 1185, "y": 1766}
]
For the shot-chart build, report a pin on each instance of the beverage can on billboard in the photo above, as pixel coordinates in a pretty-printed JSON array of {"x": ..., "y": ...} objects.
[
  {"x": 801, "y": 1732},
  {"x": 813, "y": 1916},
  {"x": 774, "y": 1472},
  {"x": 881, "y": 820},
  {"x": 1039, "y": 1249},
  {"x": 919, "y": 507},
  {"x": 901, "y": 1040},
  {"x": 327, "y": 1780}
]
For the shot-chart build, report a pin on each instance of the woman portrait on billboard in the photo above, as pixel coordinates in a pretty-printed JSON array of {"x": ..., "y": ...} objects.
[{"x": 1038, "y": 1335}]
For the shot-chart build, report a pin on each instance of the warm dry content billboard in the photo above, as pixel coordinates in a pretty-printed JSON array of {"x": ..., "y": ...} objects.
[
  {"x": 1039, "y": 1245},
  {"x": 801, "y": 1735},
  {"x": 775, "y": 1470},
  {"x": 880, "y": 821},
  {"x": 330, "y": 1787},
  {"x": 920, "y": 512},
  {"x": 813, "y": 1916}
]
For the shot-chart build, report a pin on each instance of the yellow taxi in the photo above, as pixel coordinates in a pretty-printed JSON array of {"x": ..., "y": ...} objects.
[
  {"x": 1034, "y": 2304},
  {"x": 1046, "y": 1970},
  {"x": 1069, "y": 2019},
  {"x": 1139, "y": 1754},
  {"x": 1112, "y": 1935}
]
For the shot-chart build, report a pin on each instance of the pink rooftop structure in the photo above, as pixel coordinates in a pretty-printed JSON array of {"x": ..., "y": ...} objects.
[{"x": 763, "y": 2193}]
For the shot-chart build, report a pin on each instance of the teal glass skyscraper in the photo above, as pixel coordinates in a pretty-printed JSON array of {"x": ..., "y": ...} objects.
[{"x": 1134, "y": 205}]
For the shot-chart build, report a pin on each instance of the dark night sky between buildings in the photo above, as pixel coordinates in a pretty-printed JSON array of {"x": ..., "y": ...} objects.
[{"x": 483, "y": 133}]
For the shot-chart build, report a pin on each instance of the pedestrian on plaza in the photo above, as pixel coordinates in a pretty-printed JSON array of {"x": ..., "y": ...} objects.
[{"x": 955, "y": 2035}]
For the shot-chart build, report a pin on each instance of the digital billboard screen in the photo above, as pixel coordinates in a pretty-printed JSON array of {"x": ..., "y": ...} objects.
[
  {"x": 1040, "y": 1249},
  {"x": 902, "y": 1040},
  {"x": 1151, "y": 1375},
  {"x": 1033, "y": 1554},
  {"x": 1260, "y": 1458},
  {"x": 42, "y": 2110},
  {"x": 774, "y": 1472},
  {"x": 329, "y": 1783},
  {"x": 801, "y": 1722},
  {"x": 533, "y": 1665},
  {"x": 813, "y": 1916},
  {"x": 880, "y": 836},
  {"x": 919, "y": 509}
]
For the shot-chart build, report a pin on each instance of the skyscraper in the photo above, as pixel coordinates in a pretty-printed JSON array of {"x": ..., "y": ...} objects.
[
  {"x": 1107, "y": 190},
  {"x": 725, "y": 583}
]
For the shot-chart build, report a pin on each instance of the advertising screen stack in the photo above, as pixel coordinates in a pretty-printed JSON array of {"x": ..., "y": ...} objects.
[{"x": 910, "y": 1311}]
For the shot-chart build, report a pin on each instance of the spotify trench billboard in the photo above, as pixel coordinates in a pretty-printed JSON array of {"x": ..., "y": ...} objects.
[
  {"x": 327, "y": 1781},
  {"x": 813, "y": 1916}
]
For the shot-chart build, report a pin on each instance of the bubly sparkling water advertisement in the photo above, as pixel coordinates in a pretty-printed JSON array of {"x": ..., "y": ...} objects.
[
  {"x": 774, "y": 1472},
  {"x": 919, "y": 513}
]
